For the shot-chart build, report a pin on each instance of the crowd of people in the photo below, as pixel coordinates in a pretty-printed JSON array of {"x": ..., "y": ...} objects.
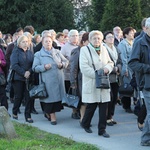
[{"x": 68, "y": 60}]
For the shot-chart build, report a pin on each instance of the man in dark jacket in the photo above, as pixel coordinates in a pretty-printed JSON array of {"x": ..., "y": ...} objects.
[
  {"x": 140, "y": 109},
  {"x": 140, "y": 62}
]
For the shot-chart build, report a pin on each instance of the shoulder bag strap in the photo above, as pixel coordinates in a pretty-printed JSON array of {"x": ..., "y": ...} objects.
[{"x": 91, "y": 58}]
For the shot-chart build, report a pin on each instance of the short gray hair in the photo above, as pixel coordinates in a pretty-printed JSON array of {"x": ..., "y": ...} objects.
[
  {"x": 45, "y": 32},
  {"x": 73, "y": 31},
  {"x": 95, "y": 32},
  {"x": 147, "y": 23}
]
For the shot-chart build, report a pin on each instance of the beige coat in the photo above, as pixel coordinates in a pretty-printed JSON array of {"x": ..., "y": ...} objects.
[{"x": 89, "y": 92}]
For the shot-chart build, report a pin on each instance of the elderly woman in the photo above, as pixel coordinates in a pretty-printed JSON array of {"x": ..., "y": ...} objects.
[
  {"x": 125, "y": 47},
  {"x": 49, "y": 63},
  {"x": 66, "y": 50},
  {"x": 114, "y": 75},
  {"x": 21, "y": 62},
  {"x": 90, "y": 94},
  {"x": 75, "y": 73}
]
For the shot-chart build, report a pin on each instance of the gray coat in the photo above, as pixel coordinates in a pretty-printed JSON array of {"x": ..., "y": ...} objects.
[
  {"x": 54, "y": 77},
  {"x": 125, "y": 50}
]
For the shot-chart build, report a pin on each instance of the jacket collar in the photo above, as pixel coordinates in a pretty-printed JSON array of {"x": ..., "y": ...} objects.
[{"x": 144, "y": 40}]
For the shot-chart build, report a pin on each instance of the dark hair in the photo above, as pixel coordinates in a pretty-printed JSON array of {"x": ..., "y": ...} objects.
[
  {"x": 85, "y": 37},
  {"x": 29, "y": 29},
  {"x": 19, "y": 29},
  {"x": 59, "y": 34},
  {"x": 106, "y": 33},
  {"x": 127, "y": 30},
  {"x": 7, "y": 35}
]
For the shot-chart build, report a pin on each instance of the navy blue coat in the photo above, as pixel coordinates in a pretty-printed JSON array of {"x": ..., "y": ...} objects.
[{"x": 21, "y": 61}]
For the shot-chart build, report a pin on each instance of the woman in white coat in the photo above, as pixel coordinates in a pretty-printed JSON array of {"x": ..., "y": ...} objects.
[{"x": 90, "y": 94}]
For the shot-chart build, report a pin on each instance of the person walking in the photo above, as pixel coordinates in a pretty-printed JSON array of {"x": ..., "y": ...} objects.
[
  {"x": 140, "y": 63},
  {"x": 94, "y": 97}
]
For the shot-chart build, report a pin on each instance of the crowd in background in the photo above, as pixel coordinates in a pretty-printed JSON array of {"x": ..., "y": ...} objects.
[{"x": 68, "y": 60}]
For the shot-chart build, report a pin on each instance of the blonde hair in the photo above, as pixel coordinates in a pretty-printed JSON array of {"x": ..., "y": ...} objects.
[
  {"x": 95, "y": 32},
  {"x": 21, "y": 38}
]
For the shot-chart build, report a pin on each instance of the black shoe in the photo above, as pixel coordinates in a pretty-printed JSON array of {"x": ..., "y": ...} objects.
[
  {"x": 47, "y": 116},
  {"x": 129, "y": 110},
  {"x": 88, "y": 130},
  {"x": 29, "y": 120},
  {"x": 105, "y": 134},
  {"x": 34, "y": 112},
  {"x": 119, "y": 102},
  {"x": 15, "y": 117},
  {"x": 75, "y": 116},
  {"x": 113, "y": 121},
  {"x": 110, "y": 124},
  {"x": 53, "y": 122},
  {"x": 145, "y": 143}
]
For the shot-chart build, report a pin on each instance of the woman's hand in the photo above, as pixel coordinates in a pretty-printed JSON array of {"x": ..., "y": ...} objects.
[
  {"x": 47, "y": 66},
  {"x": 106, "y": 71},
  {"x": 27, "y": 74},
  {"x": 60, "y": 65}
]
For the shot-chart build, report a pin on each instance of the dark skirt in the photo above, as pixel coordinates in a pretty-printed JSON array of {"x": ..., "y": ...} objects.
[{"x": 52, "y": 107}]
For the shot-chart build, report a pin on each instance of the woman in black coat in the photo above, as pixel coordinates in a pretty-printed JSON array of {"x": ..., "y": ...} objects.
[
  {"x": 75, "y": 73},
  {"x": 21, "y": 62}
]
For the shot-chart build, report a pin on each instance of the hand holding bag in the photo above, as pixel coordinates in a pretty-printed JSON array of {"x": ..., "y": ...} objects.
[
  {"x": 102, "y": 80},
  {"x": 126, "y": 89},
  {"x": 70, "y": 100},
  {"x": 38, "y": 91}
]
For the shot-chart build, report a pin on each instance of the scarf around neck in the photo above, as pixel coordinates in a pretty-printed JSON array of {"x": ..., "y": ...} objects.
[{"x": 113, "y": 53}]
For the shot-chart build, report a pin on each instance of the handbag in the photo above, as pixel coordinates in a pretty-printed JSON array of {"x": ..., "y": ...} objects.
[
  {"x": 2, "y": 79},
  {"x": 126, "y": 89},
  {"x": 70, "y": 100},
  {"x": 38, "y": 91},
  {"x": 10, "y": 76},
  {"x": 102, "y": 80}
]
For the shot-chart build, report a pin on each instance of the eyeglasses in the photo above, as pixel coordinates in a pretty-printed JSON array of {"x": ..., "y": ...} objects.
[{"x": 109, "y": 37}]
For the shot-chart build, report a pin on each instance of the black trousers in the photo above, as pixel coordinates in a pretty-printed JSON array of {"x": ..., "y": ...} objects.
[
  {"x": 112, "y": 103},
  {"x": 89, "y": 112},
  {"x": 142, "y": 114},
  {"x": 21, "y": 91},
  {"x": 3, "y": 97},
  {"x": 11, "y": 92},
  {"x": 126, "y": 102}
]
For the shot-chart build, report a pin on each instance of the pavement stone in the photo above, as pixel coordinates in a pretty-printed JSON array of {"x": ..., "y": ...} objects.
[{"x": 123, "y": 136}]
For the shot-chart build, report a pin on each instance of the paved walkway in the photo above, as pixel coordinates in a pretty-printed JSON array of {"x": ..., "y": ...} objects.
[{"x": 124, "y": 136}]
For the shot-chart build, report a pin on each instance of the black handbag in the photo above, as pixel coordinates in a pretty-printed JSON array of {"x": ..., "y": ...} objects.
[
  {"x": 102, "y": 80},
  {"x": 2, "y": 79},
  {"x": 126, "y": 89},
  {"x": 70, "y": 100},
  {"x": 10, "y": 76},
  {"x": 38, "y": 91}
]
